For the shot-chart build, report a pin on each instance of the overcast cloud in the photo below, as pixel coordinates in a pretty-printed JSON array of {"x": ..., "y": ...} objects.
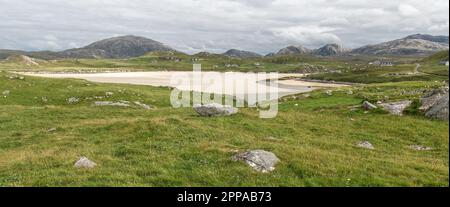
[{"x": 217, "y": 25}]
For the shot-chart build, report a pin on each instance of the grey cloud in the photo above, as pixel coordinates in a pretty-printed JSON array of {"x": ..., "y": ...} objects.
[{"x": 217, "y": 25}]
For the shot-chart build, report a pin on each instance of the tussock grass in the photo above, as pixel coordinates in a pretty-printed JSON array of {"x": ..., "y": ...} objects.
[{"x": 315, "y": 139}]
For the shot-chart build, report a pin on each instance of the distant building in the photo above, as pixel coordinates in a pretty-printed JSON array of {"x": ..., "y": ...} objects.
[
  {"x": 382, "y": 63},
  {"x": 386, "y": 63}
]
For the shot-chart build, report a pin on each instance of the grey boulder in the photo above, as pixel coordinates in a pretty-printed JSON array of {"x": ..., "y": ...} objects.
[
  {"x": 431, "y": 98},
  {"x": 259, "y": 160},
  {"x": 439, "y": 110},
  {"x": 215, "y": 109},
  {"x": 396, "y": 108},
  {"x": 435, "y": 104}
]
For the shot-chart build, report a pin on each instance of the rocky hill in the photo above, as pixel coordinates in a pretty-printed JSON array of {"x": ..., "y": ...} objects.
[
  {"x": 412, "y": 45},
  {"x": 330, "y": 50},
  {"x": 117, "y": 47},
  {"x": 23, "y": 60},
  {"x": 292, "y": 50},
  {"x": 241, "y": 54}
]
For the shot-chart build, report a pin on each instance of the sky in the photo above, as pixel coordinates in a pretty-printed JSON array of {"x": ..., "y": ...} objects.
[{"x": 192, "y": 26}]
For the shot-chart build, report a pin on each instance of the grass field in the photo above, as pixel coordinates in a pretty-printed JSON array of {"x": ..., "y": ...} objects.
[
  {"x": 314, "y": 138},
  {"x": 157, "y": 61},
  {"x": 430, "y": 70}
]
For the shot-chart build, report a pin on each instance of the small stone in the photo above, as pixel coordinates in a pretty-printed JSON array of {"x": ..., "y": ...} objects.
[
  {"x": 329, "y": 92},
  {"x": 44, "y": 99},
  {"x": 259, "y": 160},
  {"x": 51, "y": 130},
  {"x": 109, "y": 93},
  {"x": 72, "y": 100},
  {"x": 110, "y": 103},
  {"x": 145, "y": 106},
  {"x": 368, "y": 106},
  {"x": 6, "y": 92},
  {"x": 420, "y": 148},
  {"x": 365, "y": 144},
  {"x": 84, "y": 162}
]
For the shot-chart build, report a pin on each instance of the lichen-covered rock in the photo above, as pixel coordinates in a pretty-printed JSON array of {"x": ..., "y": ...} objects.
[
  {"x": 396, "y": 108},
  {"x": 215, "y": 109},
  {"x": 259, "y": 160},
  {"x": 368, "y": 106},
  {"x": 84, "y": 162}
]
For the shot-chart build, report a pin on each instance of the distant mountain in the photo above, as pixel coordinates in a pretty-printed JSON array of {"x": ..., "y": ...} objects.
[
  {"x": 326, "y": 50},
  {"x": 292, "y": 50},
  {"x": 134, "y": 46},
  {"x": 330, "y": 50},
  {"x": 117, "y": 47},
  {"x": 411, "y": 45},
  {"x": 438, "y": 39},
  {"x": 241, "y": 54}
]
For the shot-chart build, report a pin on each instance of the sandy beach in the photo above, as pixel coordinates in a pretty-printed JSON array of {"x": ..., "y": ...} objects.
[{"x": 213, "y": 82}]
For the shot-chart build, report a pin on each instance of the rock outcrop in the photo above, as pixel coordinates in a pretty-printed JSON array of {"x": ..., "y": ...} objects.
[
  {"x": 215, "y": 109},
  {"x": 396, "y": 108},
  {"x": 435, "y": 104}
]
